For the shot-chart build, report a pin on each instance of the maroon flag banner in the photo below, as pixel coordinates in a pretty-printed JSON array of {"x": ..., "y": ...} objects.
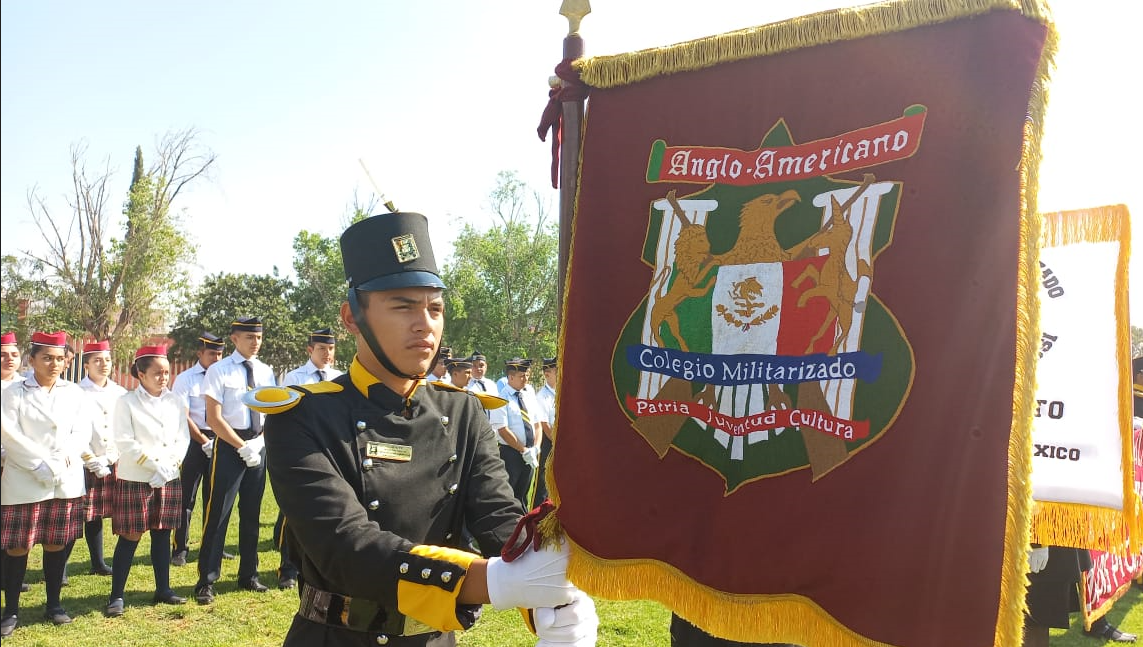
[{"x": 800, "y": 326}]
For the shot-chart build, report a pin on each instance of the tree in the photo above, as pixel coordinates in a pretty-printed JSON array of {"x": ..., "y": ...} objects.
[
  {"x": 501, "y": 296},
  {"x": 222, "y": 298},
  {"x": 1136, "y": 342},
  {"x": 27, "y": 300},
  {"x": 113, "y": 288}
]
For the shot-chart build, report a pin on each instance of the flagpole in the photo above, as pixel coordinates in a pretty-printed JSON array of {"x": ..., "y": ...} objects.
[{"x": 574, "y": 11}]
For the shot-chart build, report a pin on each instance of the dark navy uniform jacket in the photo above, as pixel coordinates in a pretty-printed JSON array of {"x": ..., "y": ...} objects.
[{"x": 362, "y": 480}]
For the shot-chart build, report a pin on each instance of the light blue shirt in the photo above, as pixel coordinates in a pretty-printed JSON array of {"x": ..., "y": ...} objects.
[{"x": 515, "y": 421}]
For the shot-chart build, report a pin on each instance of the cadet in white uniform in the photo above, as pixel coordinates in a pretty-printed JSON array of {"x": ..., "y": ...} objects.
[
  {"x": 9, "y": 360},
  {"x": 546, "y": 396},
  {"x": 520, "y": 435},
  {"x": 152, "y": 434},
  {"x": 102, "y": 455},
  {"x": 196, "y": 463},
  {"x": 46, "y": 427},
  {"x": 321, "y": 348}
]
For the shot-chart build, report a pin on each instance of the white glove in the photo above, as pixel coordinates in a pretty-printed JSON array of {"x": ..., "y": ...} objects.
[
  {"x": 208, "y": 447},
  {"x": 1037, "y": 558},
  {"x": 158, "y": 479},
  {"x": 258, "y": 443},
  {"x": 538, "y": 578},
  {"x": 93, "y": 464},
  {"x": 249, "y": 455},
  {"x": 169, "y": 471},
  {"x": 573, "y": 624},
  {"x": 531, "y": 456},
  {"x": 44, "y": 474}
]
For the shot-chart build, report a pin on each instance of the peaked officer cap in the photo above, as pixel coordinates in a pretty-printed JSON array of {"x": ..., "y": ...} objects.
[
  {"x": 246, "y": 324},
  {"x": 210, "y": 341},
  {"x": 389, "y": 251},
  {"x": 322, "y": 336}
]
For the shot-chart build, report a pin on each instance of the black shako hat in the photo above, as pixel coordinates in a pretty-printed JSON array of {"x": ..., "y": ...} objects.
[
  {"x": 210, "y": 341},
  {"x": 246, "y": 324},
  {"x": 389, "y": 251},
  {"x": 322, "y": 336}
]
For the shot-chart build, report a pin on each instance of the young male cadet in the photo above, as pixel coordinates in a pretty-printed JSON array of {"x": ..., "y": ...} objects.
[
  {"x": 379, "y": 471},
  {"x": 521, "y": 431},
  {"x": 237, "y": 465},
  {"x": 195, "y": 470}
]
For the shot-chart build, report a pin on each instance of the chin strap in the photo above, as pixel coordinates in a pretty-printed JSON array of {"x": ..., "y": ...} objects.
[{"x": 373, "y": 344}]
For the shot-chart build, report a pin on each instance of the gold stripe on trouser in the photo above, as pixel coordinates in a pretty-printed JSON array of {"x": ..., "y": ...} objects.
[{"x": 213, "y": 490}]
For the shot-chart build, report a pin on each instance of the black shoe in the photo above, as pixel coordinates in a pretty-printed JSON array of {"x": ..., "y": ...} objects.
[
  {"x": 8, "y": 625},
  {"x": 101, "y": 569},
  {"x": 226, "y": 555},
  {"x": 287, "y": 583},
  {"x": 254, "y": 585},
  {"x": 204, "y": 594},
  {"x": 114, "y": 608},
  {"x": 168, "y": 597},
  {"x": 58, "y": 616},
  {"x": 1103, "y": 629},
  {"x": 179, "y": 558}
]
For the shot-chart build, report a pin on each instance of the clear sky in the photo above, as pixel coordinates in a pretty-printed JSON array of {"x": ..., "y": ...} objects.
[{"x": 435, "y": 97}]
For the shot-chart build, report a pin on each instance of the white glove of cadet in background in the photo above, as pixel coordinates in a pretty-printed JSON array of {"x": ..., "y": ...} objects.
[
  {"x": 531, "y": 456},
  {"x": 251, "y": 452},
  {"x": 208, "y": 447},
  {"x": 158, "y": 479},
  {"x": 97, "y": 467},
  {"x": 1037, "y": 558},
  {"x": 538, "y": 578},
  {"x": 575, "y": 624},
  {"x": 43, "y": 474}
]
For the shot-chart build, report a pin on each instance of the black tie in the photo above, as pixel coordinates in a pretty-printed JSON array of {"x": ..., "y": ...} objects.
[
  {"x": 321, "y": 375},
  {"x": 529, "y": 433},
  {"x": 480, "y": 384},
  {"x": 255, "y": 419}
]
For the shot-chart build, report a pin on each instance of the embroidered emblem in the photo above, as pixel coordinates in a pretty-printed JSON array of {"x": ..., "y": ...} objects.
[{"x": 406, "y": 248}]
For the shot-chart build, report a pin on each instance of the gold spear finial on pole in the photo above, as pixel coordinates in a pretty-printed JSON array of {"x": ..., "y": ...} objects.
[{"x": 574, "y": 11}]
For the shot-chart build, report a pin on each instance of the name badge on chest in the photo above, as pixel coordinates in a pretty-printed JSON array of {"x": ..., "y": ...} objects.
[{"x": 388, "y": 452}]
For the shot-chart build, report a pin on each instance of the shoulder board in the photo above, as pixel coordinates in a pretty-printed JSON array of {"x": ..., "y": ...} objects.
[
  {"x": 487, "y": 401},
  {"x": 277, "y": 399}
]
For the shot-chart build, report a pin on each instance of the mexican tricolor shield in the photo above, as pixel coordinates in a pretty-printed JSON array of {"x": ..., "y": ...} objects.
[{"x": 800, "y": 326}]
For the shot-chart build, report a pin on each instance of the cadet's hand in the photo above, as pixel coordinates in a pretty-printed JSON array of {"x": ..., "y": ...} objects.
[
  {"x": 538, "y": 578},
  {"x": 1037, "y": 558},
  {"x": 250, "y": 454},
  {"x": 532, "y": 456},
  {"x": 208, "y": 447},
  {"x": 44, "y": 474},
  {"x": 157, "y": 480},
  {"x": 574, "y": 624}
]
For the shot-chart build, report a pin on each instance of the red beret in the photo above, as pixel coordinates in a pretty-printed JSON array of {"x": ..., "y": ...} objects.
[
  {"x": 8, "y": 339},
  {"x": 151, "y": 351},
  {"x": 96, "y": 347},
  {"x": 56, "y": 339}
]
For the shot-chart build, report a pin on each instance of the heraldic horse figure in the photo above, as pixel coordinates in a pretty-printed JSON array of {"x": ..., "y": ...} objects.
[{"x": 833, "y": 282}]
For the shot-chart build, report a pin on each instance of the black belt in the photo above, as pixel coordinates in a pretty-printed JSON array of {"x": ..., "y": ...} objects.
[
  {"x": 247, "y": 434},
  {"x": 356, "y": 614}
]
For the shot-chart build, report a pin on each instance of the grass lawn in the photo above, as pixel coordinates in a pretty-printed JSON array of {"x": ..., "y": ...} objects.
[{"x": 244, "y": 618}]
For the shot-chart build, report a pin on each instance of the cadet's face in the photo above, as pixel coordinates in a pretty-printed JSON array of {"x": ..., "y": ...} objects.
[
  {"x": 157, "y": 375},
  {"x": 48, "y": 364},
  {"x": 517, "y": 379},
  {"x": 552, "y": 376},
  {"x": 461, "y": 377},
  {"x": 207, "y": 356},
  {"x": 478, "y": 368},
  {"x": 247, "y": 343},
  {"x": 98, "y": 366},
  {"x": 407, "y": 322},
  {"x": 321, "y": 354},
  {"x": 9, "y": 361}
]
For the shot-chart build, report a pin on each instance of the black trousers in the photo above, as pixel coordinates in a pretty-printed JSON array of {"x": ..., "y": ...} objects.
[
  {"x": 194, "y": 472},
  {"x": 287, "y": 569},
  {"x": 230, "y": 480},
  {"x": 541, "y": 477},
  {"x": 519, "y": 474}
]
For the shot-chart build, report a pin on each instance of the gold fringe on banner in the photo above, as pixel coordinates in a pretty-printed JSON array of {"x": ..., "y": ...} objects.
[
  {"x": 793, "y": 618},
  {"x": 797, "y": 33},
  {"x": 1085, "y": 526}
]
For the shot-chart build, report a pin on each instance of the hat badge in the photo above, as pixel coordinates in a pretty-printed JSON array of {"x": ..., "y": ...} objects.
[{"x": 406, "y": 248}]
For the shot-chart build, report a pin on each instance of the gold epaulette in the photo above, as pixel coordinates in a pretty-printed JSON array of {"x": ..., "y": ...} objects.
[
  {"x": 276, "y": 399},
  {"x": 487, "y": 400}
]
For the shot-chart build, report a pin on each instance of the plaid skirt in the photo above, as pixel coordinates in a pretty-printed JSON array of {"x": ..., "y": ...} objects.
[
  {"x": 138, "y": 507},
  {"x": 98, "y": 500},
  {"x": 54, "y": 522}
]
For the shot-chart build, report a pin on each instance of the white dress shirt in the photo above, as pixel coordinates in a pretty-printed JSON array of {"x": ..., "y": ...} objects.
[
  {"x": 150, "y": 430},
  {"x": 188, "y": 386},
  {"x": 38, "y": 425},
  {"x": 484, "y": 385},
  {"x": 225, "y": 382},
  {"x": 547, "y": 398},
  {"x": 103, "y": 398},
  {"x": 515, "y": 421},
  {"x": 308, "y": 374}
]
